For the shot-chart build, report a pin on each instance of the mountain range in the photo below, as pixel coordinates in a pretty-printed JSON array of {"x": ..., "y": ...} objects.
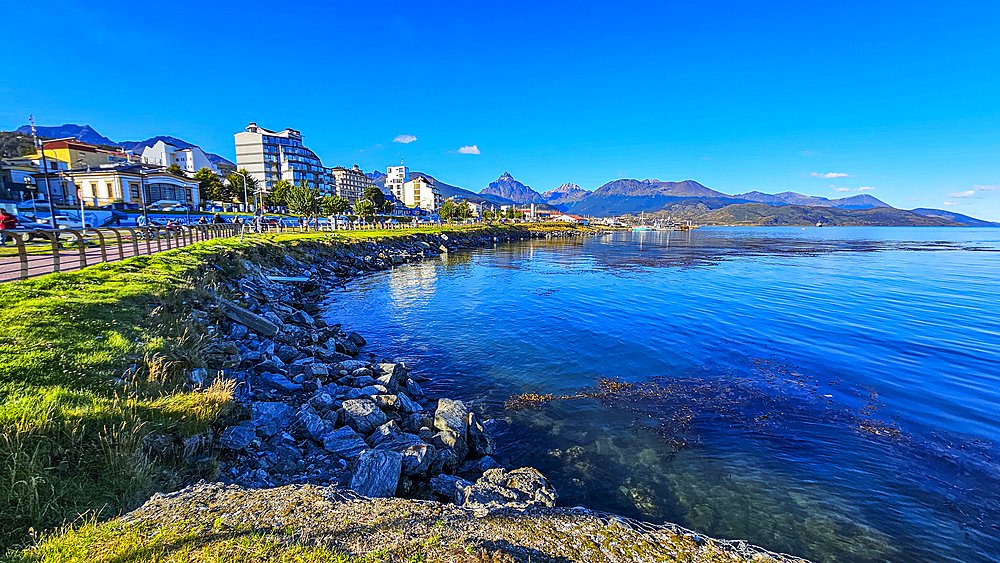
[{"x": 87, "y": 134}]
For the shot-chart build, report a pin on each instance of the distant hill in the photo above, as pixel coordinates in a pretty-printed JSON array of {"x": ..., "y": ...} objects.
[
  {"x": 762, "y": 214},
  {"x": 508, "y": 188},
  {"x": 87, "y": 134},
  {"x": 564, "y": 195},
  {"x": 83, "y": 133},
  {"x": 956, "y": 217},
  {"x": 862, "y": 201}
]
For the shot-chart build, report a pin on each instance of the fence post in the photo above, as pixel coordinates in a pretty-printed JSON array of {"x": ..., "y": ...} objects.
[
  {"x": 121, "y": 245},
  {"x": 81, "y": 246},
  {"x": 104, "y": 251},
  {"x": 54, "y": 239},
  {"x": 22, "y": 254}
]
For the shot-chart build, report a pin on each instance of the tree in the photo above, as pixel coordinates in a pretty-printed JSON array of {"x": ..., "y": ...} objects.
[
  {"x": 303, "y": 200},
  {"x": 279, "y": 193},
  {"x": 334, "y": 205},
  {"x": 448, "y": 210},
  {"x": 210, "y": 185},
  {"x": 175, "y": 169},
  {"x": 236, "y": 190},
  {"x": 365, "y": 208},
  {"x": 464, "y": 211},
  {"x": 375, "y": 195}
]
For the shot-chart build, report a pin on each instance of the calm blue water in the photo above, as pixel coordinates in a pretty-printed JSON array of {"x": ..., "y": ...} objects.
[{"x": 832, "y": 393}]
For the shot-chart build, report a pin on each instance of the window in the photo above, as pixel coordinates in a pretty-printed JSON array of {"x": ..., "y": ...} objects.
[{"x": 134, "y": 191}]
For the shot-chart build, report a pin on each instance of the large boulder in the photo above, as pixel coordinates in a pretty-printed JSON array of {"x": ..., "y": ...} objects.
[
  {"x": 500, "y": 488},
  {"x": 347, "y": 347},
  {"x": 363, "y": 415},
  {"x": 345, "y": 443},
  {"x": 417, "y": 457},
  {"x": 447, "y": 439},
  {"x": 452, "y": 416},
  {"x": 377, "y": 473},
  {"x": 480, "y": 440},
  {"x": 270, "y": 416},
  {"x": 262, "y": 326}
]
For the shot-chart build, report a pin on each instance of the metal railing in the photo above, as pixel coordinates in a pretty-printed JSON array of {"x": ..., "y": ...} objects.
[{"x": 46, "y": 251}]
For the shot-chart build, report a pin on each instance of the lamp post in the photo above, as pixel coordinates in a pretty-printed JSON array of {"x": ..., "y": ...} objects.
[{"x": 45, "y": 172}]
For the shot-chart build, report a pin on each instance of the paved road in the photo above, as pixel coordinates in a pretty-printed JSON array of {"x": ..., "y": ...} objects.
[{"x": 69, "y": 258}]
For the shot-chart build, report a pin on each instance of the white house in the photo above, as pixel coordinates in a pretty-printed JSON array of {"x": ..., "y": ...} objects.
[
  {"x": 419, "y": 192},
  {"x": 567, "y": 218},
  {"x": 190, "y": 159},
  {"x": 396, "y": 176}
]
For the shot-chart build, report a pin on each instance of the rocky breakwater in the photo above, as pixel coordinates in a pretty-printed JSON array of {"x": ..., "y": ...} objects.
[{"x": 315, "y": 411}]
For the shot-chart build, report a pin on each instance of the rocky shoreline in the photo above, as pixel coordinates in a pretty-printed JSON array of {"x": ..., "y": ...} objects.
[
  {"x": 345, "y": 450},
  {"x": 314, "y": 409}
]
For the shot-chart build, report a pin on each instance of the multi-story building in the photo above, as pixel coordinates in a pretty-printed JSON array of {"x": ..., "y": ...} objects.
[
  {"x": 420, "y": 192},
  {"x": 76, "y": 154},
  {"x": 351, "y": 183},
  {"x": 270, "y": 156},
  {"x": 191, "y": 159},
  {"x": 396, "y": 176}
]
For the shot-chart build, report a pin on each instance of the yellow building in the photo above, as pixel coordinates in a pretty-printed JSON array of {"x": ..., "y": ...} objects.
[
  {"x": 135, "y": 184},
  {"x": 81, "y": 155}
]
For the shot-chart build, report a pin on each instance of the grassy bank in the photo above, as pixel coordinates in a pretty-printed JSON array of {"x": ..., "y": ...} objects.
[{"x": 72, "y": 426}]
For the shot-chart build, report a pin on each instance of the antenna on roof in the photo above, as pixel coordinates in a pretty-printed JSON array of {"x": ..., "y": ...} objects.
[{"x": 401, "y": 162}]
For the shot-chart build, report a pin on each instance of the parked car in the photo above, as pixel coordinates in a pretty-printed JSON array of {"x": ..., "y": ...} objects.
[
  {"x": 176, "y": 208},
  {"x": 164, "y": 203},
  {"x": 120, "y": 206}
]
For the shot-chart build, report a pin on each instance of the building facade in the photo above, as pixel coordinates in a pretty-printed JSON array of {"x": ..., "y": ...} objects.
[
  {"x": 420, "y": 192},
  {"x": 270, "y": 156},
  {"x": 396, "y": 176},
  {"x": 137, "y": 184},
  {"x": 190, "y": 160},
  {"x": 350, "y": 183}
]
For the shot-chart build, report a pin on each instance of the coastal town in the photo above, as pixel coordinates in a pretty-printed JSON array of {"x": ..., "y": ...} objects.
[{"x": 276, "y": 179}]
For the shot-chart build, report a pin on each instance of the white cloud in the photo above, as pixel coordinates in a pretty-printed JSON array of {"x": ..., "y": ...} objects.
[
  {"x": 404, "y": 139},
  {"x": 841, "y": 189},
  {"x": 829, "y": 175},
  {"x": 967, "y": 193},
  {"x": 913, "y": 198},
  {"x": 865, "y": 189},
  {"x": 469, "y": 149},
  {"x": 808, "y": 153},
  {"x": 953, "y": 202},
  {"x": 987, "y": 188}
]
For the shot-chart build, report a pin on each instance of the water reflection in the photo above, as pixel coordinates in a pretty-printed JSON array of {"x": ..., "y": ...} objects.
[{"x": 829, "y": 396}]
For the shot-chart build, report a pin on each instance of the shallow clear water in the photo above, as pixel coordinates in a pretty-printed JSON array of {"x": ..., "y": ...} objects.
[{"x": 832, "y": 393}]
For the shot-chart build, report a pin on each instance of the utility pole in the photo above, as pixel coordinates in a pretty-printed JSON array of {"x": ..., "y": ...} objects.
[{"x": 45, "y": 172}]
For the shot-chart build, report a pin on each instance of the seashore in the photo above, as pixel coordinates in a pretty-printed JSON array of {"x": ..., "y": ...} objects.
[{"x": 324, "y": 451}]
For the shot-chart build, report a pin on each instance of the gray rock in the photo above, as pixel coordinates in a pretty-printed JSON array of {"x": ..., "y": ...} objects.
[
  {"x": 374, "y": 390},
  {"x": 387, "y": 381},
  {"x": 452, "y": 416},
  {"x": 317, "y": 371},
  {"x": 279, "y": 382},
  {"x": 384, "y": 434},
  {"x": 408, "y": 405},
  {"x": 237, "y": 437},
  {"x": 256, "y": 323},
  {"x": 480, "y": 465},
  {"x": 362, "y": 381},
  {"x": 351, "y": 365},
  {"x": 197, "y": 376},
  {"x": 345, "y": 443},
  {"x": 396, "y": 371},
  {"x": 450, "y": 487},
  {"x": 413, "y": 388},
  {"x": 347, "y": 347},
  {"x": 238, "y": 332},
  {"x": 356, "y": 339},
  {"x": 377, "y": 473},
  {"x": 269, "y": 416},
  {"x": 452, "y": 441},
  {"x": 480, "y": 439},
  {"x": 417, "y": 457},
  {"x": 316, "y": 427},
  {"x": 301, "y": 318},
  {"x": 286, "y": 353},
  {"x": 363, "y": 415},
  {"x": 500, "y": 488}
]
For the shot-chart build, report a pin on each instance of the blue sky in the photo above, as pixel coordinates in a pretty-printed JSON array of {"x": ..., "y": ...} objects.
[{"x": 821, "y": 98}]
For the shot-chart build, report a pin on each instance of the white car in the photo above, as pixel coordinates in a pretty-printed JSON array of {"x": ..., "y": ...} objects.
[{"x": 176, "y": 208}]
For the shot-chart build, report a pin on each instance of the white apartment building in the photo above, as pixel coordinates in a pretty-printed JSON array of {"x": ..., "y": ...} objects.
[
  {"x": 419, "y": 192},
  {"x": 351, "y": 183},
  {"x": 190, "y": 159},
  {"x": 396, "y": 176},
  {"x": 270, "y": 156}
]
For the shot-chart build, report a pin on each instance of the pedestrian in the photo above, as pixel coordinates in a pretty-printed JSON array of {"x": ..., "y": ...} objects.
[
  {"x": 7, "y": 222},
  {"x": 217, "y": 219}
]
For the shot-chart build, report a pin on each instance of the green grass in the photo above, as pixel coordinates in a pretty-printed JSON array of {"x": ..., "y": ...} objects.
[{"x": 70, "y": 434}]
